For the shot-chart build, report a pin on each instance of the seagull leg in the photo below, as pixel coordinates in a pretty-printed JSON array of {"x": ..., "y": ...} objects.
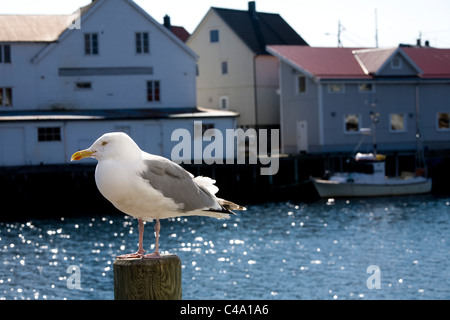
[
  {"x": 155, "y": 254},
  {"x": 141, "y": 250}
]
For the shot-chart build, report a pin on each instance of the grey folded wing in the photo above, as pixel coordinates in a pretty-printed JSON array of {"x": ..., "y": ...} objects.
[{"x": 176, "y": 183}]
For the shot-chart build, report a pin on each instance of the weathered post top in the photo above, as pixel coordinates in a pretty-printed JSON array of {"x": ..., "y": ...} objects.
[{"x": 148, "y": 279}]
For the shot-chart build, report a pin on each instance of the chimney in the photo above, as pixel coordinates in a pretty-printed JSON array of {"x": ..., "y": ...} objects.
[
  {"x": 167, "y": 22},
  {"x": 419, "y": 42},
  {"x": 252, "y": 9}
]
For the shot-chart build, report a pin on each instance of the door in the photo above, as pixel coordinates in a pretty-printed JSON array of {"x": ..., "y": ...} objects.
[
  {"x": 12, "y": 148},
  {"x": 302, "y": 136},
  {"x": 153, "y": 139}
]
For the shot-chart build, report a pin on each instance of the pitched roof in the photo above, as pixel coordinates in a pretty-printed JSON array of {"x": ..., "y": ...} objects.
[
  {"x": 32, "y": 28},
  {"x": 180, "y": 32},
  {"x": 331, "y": 63},
  {"x": 434, "y": 62},
  {"x": 257, "y": 30},
  {"x": 354, "y": 63},
  {"x": 37, "y": 28},
  {"x": 49, "y": 28},
  {"x": 371, "y": 60}
]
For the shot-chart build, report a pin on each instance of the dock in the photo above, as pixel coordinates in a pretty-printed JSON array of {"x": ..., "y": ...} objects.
[{"x": 60, "y": 190}]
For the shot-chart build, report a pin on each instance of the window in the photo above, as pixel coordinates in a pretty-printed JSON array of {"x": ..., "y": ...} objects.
[
  {"x": 153, "y": 91},
  {"x": 214, "y": 36},
  {"x": 366, "y": 87},
  {"x": 352, "y": 123},
  {"x": 301, "y": 84},
  {"x": 443, "y": 121},
  {"x": 396, "y": 63},
  {"x": 5, "y": 53},
  {"x": 83, "y": 85},
  {"x": 224, "y": 66},
  {"x": 6, "y": 97},
  {"x": 49, "y": 134},
  {"x": 223, "y": 101},
  {"x": 397, "y": 122},
  {"x": 142, "y": 43},
  {"x": 206, "y": 127},
  {"x": 336, "y": 88},
  {"x": 91, "y": 43}
]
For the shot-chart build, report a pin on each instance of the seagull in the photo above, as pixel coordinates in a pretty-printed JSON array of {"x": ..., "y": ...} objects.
[{"x": 150, "y": 187}]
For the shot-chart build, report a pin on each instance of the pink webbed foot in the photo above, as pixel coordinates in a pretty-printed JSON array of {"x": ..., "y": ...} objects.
[
  {"x": 154, "y": 255},
  {"x": 137, "y": 255}
]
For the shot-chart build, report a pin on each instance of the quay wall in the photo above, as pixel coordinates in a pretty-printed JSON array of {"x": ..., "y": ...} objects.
[{"x": 70, "y": 190}]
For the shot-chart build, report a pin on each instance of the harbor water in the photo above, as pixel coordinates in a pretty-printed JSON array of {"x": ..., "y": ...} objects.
[{"x": 381, "y": 248}]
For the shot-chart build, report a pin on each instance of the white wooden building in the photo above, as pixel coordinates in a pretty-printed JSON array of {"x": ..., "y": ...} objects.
[{"x": 67, "y": 79}]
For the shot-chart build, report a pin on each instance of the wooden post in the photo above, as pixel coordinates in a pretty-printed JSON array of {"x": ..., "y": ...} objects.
[{"x": 148, "y": 279}]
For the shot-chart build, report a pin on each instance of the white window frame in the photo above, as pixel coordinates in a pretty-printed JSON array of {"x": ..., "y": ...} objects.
[
  {"x": 366, "y": 91},
  {"x": 345, "y": 123},
  {"x": 49, "y": 134},
  {"x": 211, "y": 33},
  {"x": 142, "y": 48},
  {"x": 393, "y": 65},
  {"x": 225, "y": 99},
  {"x": 6, "y": 97},
  {"x": 224, "y": 67},
  {"x": 91, "y": 51},
  {"x": 404, "y": 123},
  {"x": 297, "y": 84},
  {"x": 5, "y": 53},
  {"x": 437, "y": 122},
  {"x": 342, "y": 86},
  {"x": 153, "y": 87}
]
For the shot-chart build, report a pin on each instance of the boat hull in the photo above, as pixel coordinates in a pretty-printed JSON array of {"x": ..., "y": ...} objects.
[{"x": 329, "y": 188}]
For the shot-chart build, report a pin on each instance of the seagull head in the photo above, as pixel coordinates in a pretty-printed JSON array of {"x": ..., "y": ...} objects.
[{"x": 113, "y": 145}]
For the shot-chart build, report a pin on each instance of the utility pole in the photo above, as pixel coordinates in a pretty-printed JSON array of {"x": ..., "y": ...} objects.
[
  {"x": 376, "y": 29},
  {"x": 340, "y": 28}
]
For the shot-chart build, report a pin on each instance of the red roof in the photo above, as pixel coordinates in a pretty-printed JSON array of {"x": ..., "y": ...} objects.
[
  {"x": 435, "y": 63},
  {"x": 322, "y": 62},
  {"x": 180, "y": 32},
  {"x": 357, "y": 63}
]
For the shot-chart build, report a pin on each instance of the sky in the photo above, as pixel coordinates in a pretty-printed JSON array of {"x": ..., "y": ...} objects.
[{"x": 397, "y": 21}]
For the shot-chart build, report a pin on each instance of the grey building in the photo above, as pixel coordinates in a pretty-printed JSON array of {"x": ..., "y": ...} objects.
[{"x": 331, "y": 98}]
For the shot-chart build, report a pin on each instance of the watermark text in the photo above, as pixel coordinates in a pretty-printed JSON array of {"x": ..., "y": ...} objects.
[
  {"x": 236, "y": 147},
  {"x": 374, "y": 280}
]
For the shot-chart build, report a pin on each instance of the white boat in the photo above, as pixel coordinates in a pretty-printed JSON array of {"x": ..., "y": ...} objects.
[{"x": 368, "y": 179}]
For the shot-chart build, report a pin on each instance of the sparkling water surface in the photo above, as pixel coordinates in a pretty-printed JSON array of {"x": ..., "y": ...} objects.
[{"x": 287, "y": 250}]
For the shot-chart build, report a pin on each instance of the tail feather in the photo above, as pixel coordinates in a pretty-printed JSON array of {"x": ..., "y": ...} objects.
[
  {"x": 226, "y": 207},
  {"x": 206, "y": 183},
  {"x": 230, "y": 206},
  {"x": 225, "y": 211}
]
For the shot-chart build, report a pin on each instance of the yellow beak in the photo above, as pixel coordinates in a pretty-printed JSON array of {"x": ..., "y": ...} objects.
[{"x": 81, "y": 155}]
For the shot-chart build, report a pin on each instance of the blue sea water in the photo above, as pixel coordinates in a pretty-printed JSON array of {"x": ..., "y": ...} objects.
[{"x": 326, "y": 249}]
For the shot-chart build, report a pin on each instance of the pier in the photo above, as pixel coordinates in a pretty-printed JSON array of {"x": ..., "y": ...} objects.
[{"x": 61, "y": 188}]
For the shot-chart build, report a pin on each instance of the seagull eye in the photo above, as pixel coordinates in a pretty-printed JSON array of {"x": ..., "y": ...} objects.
[{"x": 104, "y": 143}]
